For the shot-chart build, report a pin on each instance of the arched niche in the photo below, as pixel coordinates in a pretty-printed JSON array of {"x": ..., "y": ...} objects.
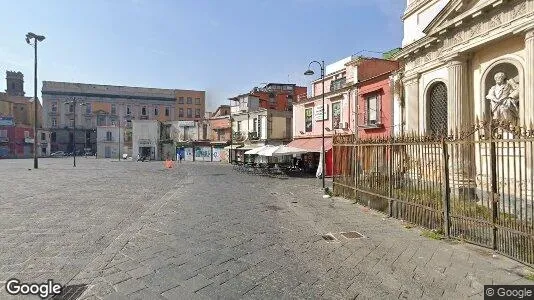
[{"x": 513, "y": 69}]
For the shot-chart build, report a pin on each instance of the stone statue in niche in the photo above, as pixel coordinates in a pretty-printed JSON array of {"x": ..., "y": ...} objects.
[{"x": 504, "y": 99}]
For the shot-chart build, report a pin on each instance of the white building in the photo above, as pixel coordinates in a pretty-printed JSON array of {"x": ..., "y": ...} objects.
[
  {"x": 145, "y": 138},
  {"x": 43, "y": 142},
  {"x": 109, "y": 140}
]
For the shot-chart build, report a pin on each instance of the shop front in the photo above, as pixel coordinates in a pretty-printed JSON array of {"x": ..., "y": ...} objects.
[{"x": 311, "y": 161}]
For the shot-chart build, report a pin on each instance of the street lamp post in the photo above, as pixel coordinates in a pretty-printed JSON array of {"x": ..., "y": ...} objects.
[
  {"x": 231, "y": 133},
  {"x": 323, "y": 152},
  {"x": 74, "y": 101},
  {"x": 36, "y": 38}
]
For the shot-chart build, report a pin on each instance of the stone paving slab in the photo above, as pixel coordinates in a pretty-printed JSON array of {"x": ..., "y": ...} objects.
[{"x": 202, "y": 231}]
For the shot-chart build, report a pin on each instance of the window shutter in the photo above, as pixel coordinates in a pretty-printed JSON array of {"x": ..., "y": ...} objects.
[{"x": 379, "y": 108}]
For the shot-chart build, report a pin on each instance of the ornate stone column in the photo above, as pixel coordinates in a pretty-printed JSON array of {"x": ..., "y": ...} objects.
[
  {"x": 528, "y": 110},
  {"x": 411, "y": 103},
  {"x": 459, "y": 106},
  {"x": 459, "y": 111}
]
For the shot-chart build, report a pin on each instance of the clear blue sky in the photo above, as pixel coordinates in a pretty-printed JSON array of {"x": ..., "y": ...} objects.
[{"x": 225, "y": 47}]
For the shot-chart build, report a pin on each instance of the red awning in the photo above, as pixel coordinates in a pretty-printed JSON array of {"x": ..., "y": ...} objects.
[{"x": 312, "y": 144}]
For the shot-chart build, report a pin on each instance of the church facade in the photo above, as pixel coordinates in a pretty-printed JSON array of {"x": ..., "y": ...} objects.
[{"x": 467, "y": 59}]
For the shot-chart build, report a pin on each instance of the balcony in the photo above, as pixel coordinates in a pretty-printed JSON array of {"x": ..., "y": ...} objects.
[
  {"x": 338, "y": 84},
  {"x": 253, "y": 136},
  {"x": 238, "y": 136}
]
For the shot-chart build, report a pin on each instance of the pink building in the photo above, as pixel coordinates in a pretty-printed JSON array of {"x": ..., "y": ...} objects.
[{"x": 341, "y": 94}]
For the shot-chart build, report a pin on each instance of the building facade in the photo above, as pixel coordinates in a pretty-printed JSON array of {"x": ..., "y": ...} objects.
[
  {"x": 190, "y": 105},
  {"x": 348, "y": 82},
  {"x": 106, "y": 105},
  {"x": 17, "y": 119},
  {"x": 453, "y": 51},
  {"x": 277, "y": 96},
  {"x": 254, "y": 126},
  {"x": 146, "y": 139},
  {"x": 110, "y": 142}
]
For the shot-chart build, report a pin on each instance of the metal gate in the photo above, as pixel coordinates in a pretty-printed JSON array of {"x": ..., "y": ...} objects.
[{"x": 477, "y": 186}]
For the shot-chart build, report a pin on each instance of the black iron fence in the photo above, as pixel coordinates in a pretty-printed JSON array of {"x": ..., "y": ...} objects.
[{"x": 475, "y": 185}]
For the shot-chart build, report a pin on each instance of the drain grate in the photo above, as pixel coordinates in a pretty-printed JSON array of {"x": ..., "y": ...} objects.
[
  {"x": 70, "y": 292},
  {"x": 329, "y": 237},
  {"x": 352, "y": 235}
]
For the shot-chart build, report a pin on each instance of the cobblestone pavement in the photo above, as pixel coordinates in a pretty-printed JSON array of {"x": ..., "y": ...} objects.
[{"x": 132, "y": 230}]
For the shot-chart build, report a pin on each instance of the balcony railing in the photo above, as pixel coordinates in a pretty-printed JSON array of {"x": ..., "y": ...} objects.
[
  {"x": 338, "y": 84},
  {"x": 253, "y": 136}
]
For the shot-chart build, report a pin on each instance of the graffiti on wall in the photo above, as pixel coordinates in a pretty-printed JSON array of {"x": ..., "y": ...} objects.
[
  {"x": 188, "y": 154},
  {"x": 217, "y": 154},
  {"x": 203, "y": 153}
]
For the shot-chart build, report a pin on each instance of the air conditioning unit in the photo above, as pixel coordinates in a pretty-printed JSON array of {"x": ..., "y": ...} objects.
[{"x": 344, "y": 125}]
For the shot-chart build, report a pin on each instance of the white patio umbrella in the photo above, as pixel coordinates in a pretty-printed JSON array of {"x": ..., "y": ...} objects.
[
  {"x": 255, "y": 150},
  {"x": 267, "y": 150},
  {"x": 288, "y": 150}
]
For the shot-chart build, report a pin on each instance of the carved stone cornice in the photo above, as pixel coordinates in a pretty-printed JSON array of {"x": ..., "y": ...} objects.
[
  {"x": 490, "y": 26},
  {"x": 411, "y": 79}
]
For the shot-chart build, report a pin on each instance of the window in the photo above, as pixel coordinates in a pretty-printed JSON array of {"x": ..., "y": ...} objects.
[
  {"x": 259, "y": 127},
  {"x": 88, "y": 108},
  {"x": 189, "y": 113},
  {"x": 43, "y": 136},
  {"x": 197, "y": 113},
  {"x": 289, "y": 102},
  {"x": 108, "y": 136},
  {"x": 437, "y": 109},
  {"x": 180, "y": 112},
  {"x": 128, "y": 110},
  {"x": 238, "y": 126},
  {"x": 272, "y": 101},
  {"x": 181, "y": 100},
  {"x": 143, "y": 111},
  {"x": 128, "y": 124},
  {"x": 254, "y": 124},
  {"x": 372, "y": 110},
  {"x": 88, "y": 122},
  {"x": 336, "y": 115},
  {"x": 71, "y": 123},
  {"x": 101, "y": 121},
  {"x": 189, "y": 100},
  {"x": 53, "y": 107},
  {"x": 167, "y": 111},
  {"x": 3, "y": 133},
  {"x": 197, "y": 101},
  {"x": 71, "y": 107},
  {"x": 308, "y": 119},
  {"x": 26, "y": 134},
  {"x": 113, "y": 109},
  {"x": 53, "y": 137},
  {"x": 156, "y": 111},
  {"x": 54, "y": 122}
]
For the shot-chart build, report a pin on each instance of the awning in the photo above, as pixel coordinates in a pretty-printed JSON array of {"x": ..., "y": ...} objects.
[
  {"x": 286, "y": 150},
  {"x": 255, "y": 150},
  {"x": 267, "y": 150},
  {"x": 312, "y": 144}
]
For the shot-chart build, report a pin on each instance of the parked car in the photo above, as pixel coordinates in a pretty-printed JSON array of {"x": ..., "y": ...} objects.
[{"x": 57, "y": 154}]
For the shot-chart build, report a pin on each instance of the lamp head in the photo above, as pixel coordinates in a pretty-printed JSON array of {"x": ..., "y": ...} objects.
[{"x": 309, "y": 72}]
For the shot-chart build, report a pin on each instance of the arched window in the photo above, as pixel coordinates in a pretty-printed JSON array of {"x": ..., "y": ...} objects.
[{"x": 437, "y": 109}]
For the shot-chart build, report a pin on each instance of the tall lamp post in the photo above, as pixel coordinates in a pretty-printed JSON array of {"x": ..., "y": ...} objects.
[
  {"x": 74, "y": 103},
  {"x": 323, "y": 152},
  {"x": 36, "y": 38},
  {"x": 231, "y": 133}
]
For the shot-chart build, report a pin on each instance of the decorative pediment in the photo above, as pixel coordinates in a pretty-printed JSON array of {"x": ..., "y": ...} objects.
[{"x": 449, "y": 13}]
